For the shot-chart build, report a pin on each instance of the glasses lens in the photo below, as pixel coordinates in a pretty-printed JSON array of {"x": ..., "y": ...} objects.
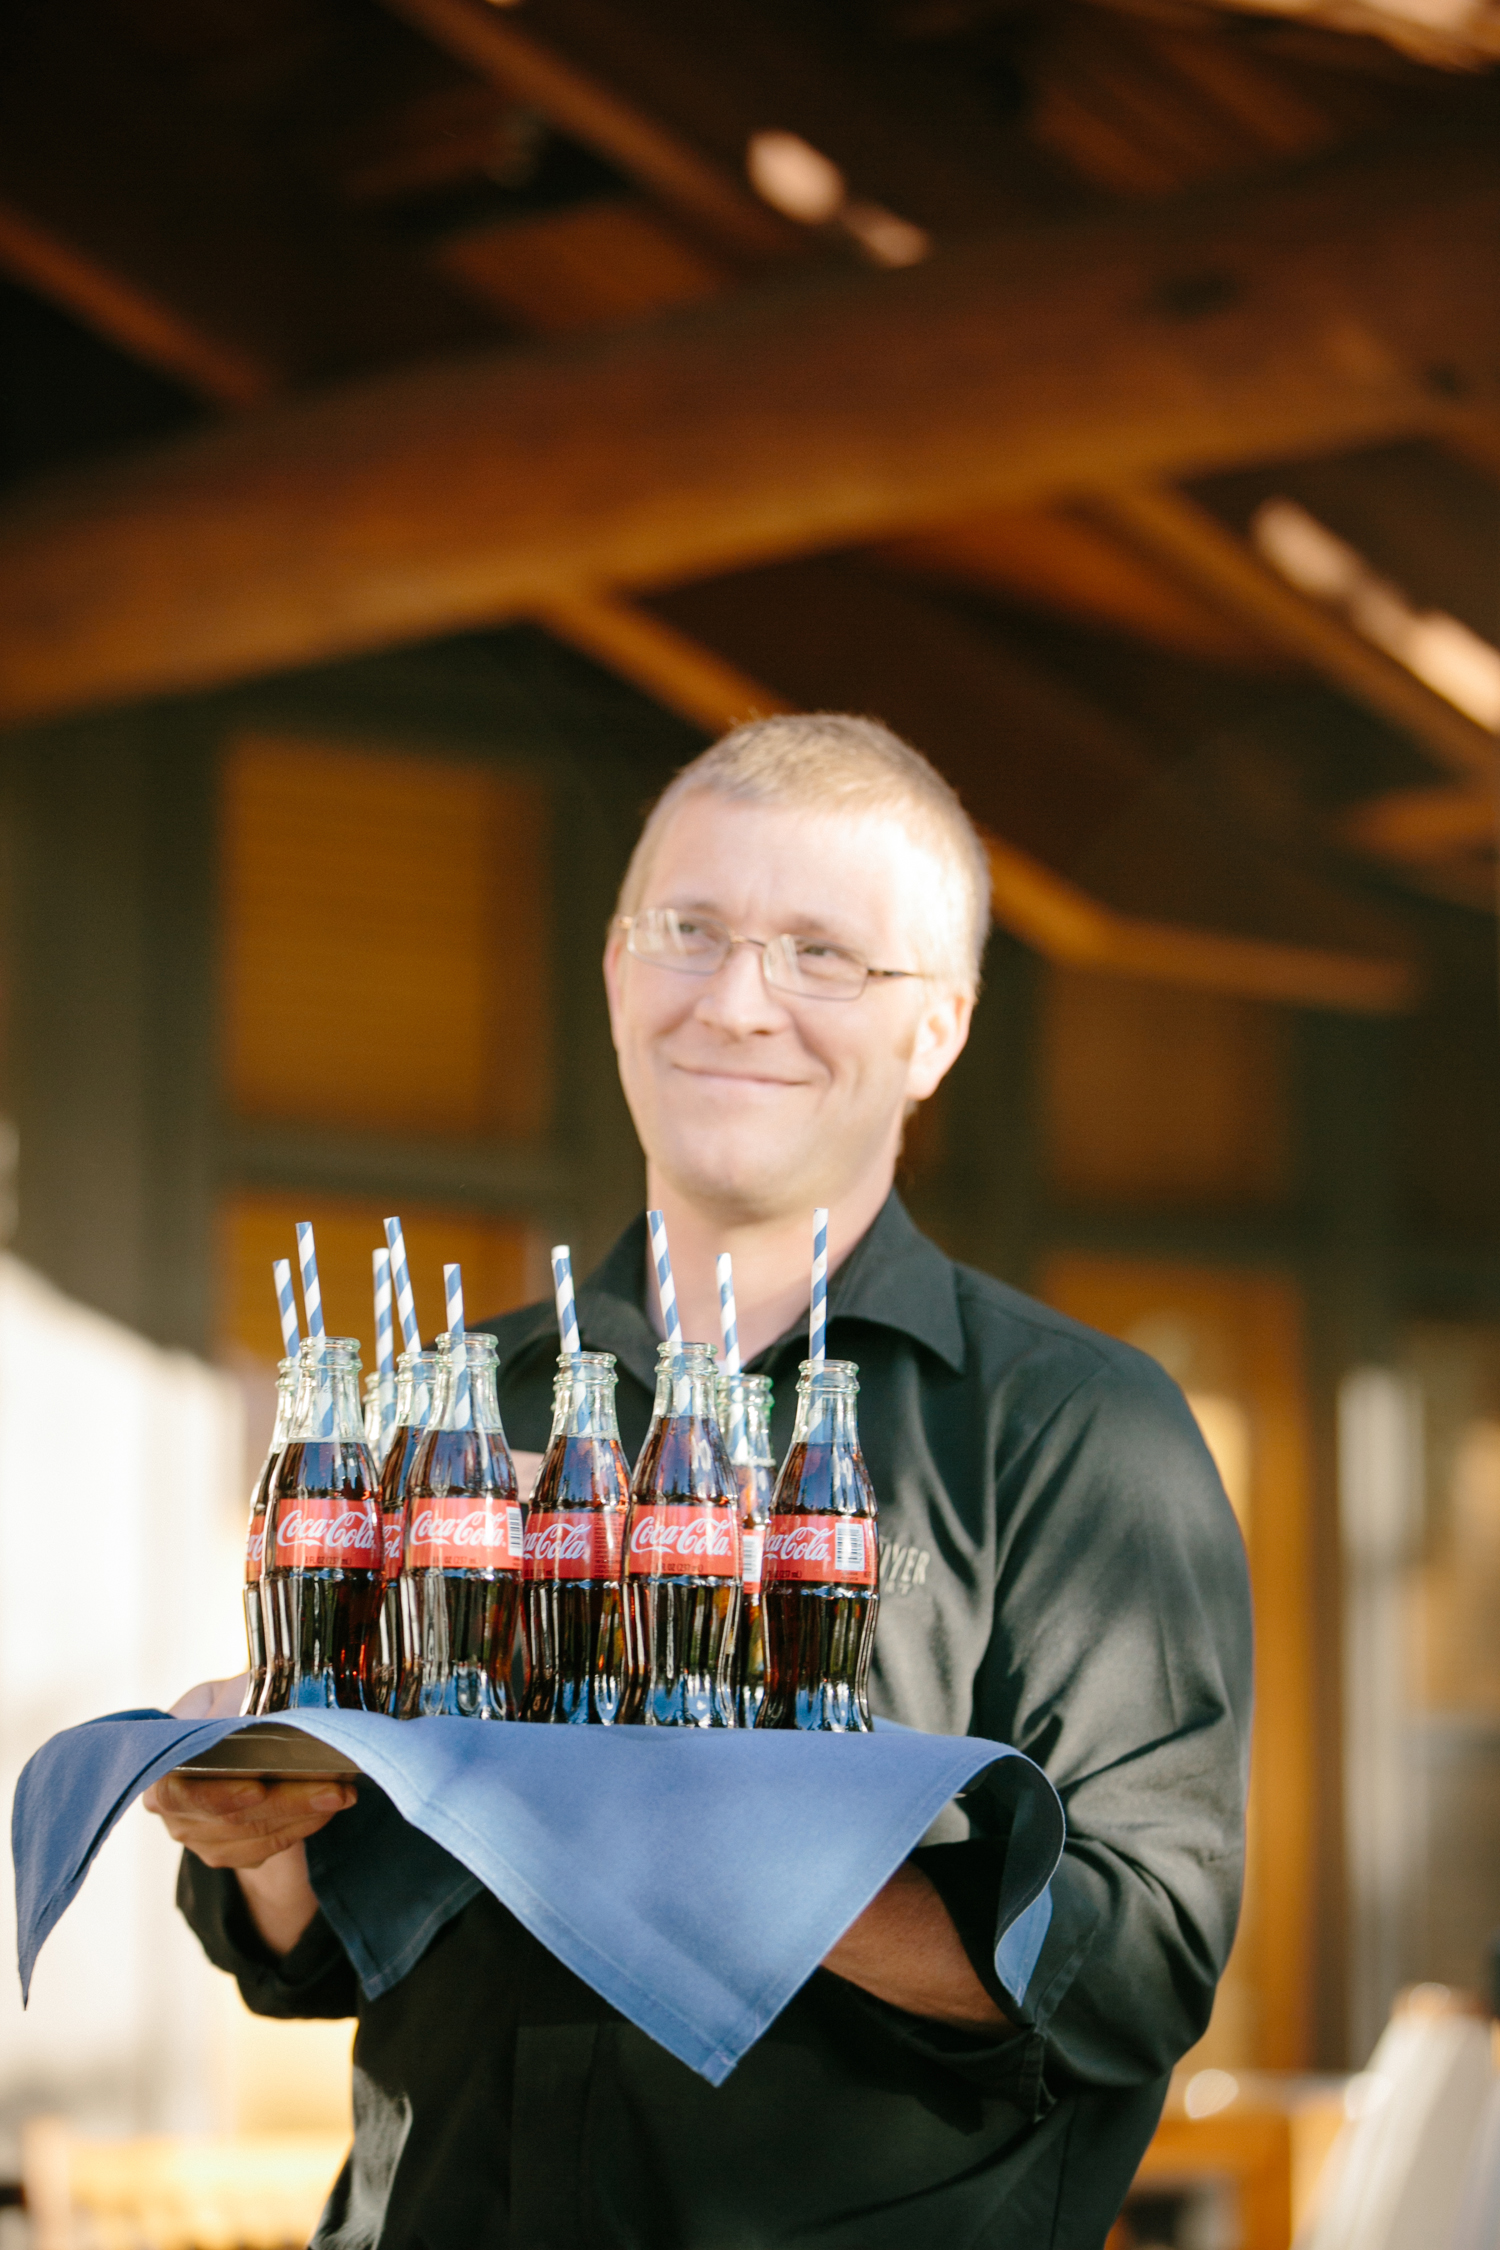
[
  {"x": 814, "y": 970},
  {"x": 694, "y": 942}
]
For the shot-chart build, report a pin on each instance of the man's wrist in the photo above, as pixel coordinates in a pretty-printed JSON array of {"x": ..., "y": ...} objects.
[{"x": 279, "y": 1898}]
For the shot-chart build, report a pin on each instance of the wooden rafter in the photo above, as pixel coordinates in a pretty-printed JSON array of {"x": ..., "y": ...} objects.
[
  {"x": 469, "y": 490},
  {"x": 1218, "y": 565},
  {"x": 1056, "y": 917},
  {"x": 1417, "y": 827},
  {"x": 658, "y": 158}
]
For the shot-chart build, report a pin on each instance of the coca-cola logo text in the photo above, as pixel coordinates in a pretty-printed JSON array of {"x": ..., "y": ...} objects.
[
  {"x": 573, "y": 1543},
  {"x": 322, "y": 1538},
  {"x": 474, "y": 1535},
  {"x": 821, "y": 1550},
  {"x": 255, "y": 1548},
  {"x": 686, "y": 1541}
]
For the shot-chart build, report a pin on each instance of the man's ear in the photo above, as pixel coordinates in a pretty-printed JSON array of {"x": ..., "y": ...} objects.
[
  {"x": 942, "y": 1030},
  {"x": 614, "y": 951}
]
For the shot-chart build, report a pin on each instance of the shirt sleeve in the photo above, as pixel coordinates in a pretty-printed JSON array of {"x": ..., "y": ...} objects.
[
  {"x": 314, "y": 1979},
  {"x": 1120, "y": 1660}
]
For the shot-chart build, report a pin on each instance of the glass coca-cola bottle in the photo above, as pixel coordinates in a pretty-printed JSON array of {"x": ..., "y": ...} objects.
[
  {"x": 322, "y": 1578},
  {"x": 255, "y": 1537},
  {"x": 575, "y": 1640},
  {"x": 745, "y": 1418},
  {"x": 380, "y": 1412},
  {"x": 820, "y": 1588},
  {"x": 681, "y": 1575},
  {"x": 460, "y": 1588},
  {"x": 416, "y": 1391}
]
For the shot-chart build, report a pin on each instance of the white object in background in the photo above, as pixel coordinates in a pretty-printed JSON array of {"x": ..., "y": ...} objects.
[
  {"x": 1397, "y": 2172},
  {"x": 1380, "y": 1512},
  {"x": 121, "y": 1538},
  {"x": 1478, "y": 2225}
]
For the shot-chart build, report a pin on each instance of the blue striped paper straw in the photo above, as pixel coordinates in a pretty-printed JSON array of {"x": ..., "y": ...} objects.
[
  {"x": 666, "y": 1288},
  {"x": 567, "y": 1311},
  {"x": 817, "y": 1335},
  {"x": 312, "y": 1295},
  {"x": 312, "y": 1305},
  {"x": 406, "y": 1310},
  {"x": 286, "y": 1306},
  {"x": 453, "y": 1291},
  {"x": 385, "y": 1342},
  {"x": 729, "y": 1329}
]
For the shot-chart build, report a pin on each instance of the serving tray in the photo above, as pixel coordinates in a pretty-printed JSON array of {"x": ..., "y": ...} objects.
[{"x": 273, "y": 1752}]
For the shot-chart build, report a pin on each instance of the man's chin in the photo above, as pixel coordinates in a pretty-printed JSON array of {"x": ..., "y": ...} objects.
[{"x": 744, "y": 1182}]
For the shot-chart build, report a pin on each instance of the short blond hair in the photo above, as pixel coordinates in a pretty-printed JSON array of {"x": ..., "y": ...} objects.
[{"x": 827, "y": 761}]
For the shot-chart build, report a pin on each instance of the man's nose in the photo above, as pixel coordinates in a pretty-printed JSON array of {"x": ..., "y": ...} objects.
[{"x": 736, "y": 998}]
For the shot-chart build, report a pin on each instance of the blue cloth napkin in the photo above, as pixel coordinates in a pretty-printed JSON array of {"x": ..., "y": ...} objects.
[{"x": 695, "y": 1880}]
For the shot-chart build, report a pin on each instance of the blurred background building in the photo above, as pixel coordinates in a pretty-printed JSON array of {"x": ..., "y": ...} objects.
[{"x": 423, "y": 424}]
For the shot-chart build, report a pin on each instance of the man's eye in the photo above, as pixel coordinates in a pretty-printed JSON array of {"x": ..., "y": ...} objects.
[{"x": 813, "y": 950}]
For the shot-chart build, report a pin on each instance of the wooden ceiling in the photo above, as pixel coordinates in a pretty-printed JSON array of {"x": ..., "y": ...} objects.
[{"x": 959, "y": 397}]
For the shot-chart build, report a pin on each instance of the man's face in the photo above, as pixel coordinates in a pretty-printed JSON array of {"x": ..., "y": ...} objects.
[{"x": 759, "y": 1102}]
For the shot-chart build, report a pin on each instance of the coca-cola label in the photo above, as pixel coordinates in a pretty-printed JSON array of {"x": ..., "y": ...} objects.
[
  {"x": 752, "y": 1557},
  {"x": 464, "y": 1534},
  {"x": 573, "y": 1543},
  {"x": 683, "y": 1539},
  {"x": 393, "y": 1543},
  {"x": 255, "y": 1549},
  {"x": 327, "y": 1535},
  {"x": 821, "y": 1550}
]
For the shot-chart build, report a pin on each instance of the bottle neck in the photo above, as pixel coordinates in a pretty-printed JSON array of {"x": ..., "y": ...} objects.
[
  {"x": 416, "y": 1389},
  {"x": 583, "y": 1396},
  {"x": 466, "y": 1395},
  {"x": 286, "y": 1403},
  {"x": 328, "y": 1403},
  {"x": 826, "y": 1409},
  {"x": 745, "y": 1418},
  {"x": 686, "y": 1382}
]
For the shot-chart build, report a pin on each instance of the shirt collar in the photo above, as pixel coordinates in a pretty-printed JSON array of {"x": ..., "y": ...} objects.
[{"x": 893, "y": 1277}]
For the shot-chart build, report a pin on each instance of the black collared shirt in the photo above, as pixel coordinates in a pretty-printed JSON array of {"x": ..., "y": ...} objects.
[{"x": 1061, "y": 1571}]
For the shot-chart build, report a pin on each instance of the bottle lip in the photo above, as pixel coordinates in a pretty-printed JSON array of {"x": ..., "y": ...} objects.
[
  {"x": 478, "y": 1347},
  {"x": 321, "y": 1351},
  {"x": 833, "y": 1375},
  {"x": 585, "y": 1363},
  {"x": 668, "y": 1354},
  {"x": 757, "y": 1386},
  {"x": 409, "y": 1361}
]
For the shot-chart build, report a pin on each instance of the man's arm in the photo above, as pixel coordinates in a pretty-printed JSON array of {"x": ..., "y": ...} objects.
[
  {"x": 257, "y": 1828},
  {"x": 905, "y": 1949}
]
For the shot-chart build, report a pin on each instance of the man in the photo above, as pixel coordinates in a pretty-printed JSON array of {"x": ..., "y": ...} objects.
[{"x": 792, "y": 968}]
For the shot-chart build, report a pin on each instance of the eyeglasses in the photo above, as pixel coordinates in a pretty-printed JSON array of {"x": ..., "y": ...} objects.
[{"x": 698, "y": 945}]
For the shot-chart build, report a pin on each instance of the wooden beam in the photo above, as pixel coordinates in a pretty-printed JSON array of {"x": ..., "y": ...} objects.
[
  {"x": 829, "y": 410},
  {"x": 130, "y": 315},
  {"x": 1418, "y": 826},
  {"x": 664, "y": 162},
  {"x": 1065, "y": 924},
  {"x": 1035, "y": 904},
  {"x": 1209, "y": 558},
  {"x": 677, "y": 671}
]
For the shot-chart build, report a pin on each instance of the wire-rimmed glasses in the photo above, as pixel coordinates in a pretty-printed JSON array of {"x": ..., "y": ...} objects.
[{"x": 698, "y": 945}]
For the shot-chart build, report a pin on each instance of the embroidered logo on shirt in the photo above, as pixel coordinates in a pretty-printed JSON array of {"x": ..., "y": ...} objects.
[{"x": 902, "y": 1566}]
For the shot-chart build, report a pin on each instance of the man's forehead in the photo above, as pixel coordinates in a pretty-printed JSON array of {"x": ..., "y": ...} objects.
[{"x": 822, "y": 863}]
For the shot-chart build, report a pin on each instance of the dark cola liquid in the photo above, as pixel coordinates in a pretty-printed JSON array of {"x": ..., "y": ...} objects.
[
  {"x": 819, "y": 1637},
  {"x": 458, "y": 1626},
  {"x": 756, "y": 1480},
  {"x": 385, "y": 1670},
  {"x": 679, "y": 1629},
  {"x": 321, "y": 1624},
  {"x": 255, "y": 1623},
  {"x": 575, "y": 1627}
]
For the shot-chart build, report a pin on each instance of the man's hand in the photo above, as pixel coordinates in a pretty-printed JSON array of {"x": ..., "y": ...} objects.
[
  {"x": 904, "y": 1949},
  {"x": 256, "y": 1827}
]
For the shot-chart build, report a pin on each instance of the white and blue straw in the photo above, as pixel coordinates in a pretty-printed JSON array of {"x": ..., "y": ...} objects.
[
  {"x": 567, "y": 1311},
  {"x": 453, "y": 1291},
  {"x": 385, "y": 1341},
  {"x": 406, "y": 1309},
  {"x": 666, "y": 1288},
  {"x": 312, "y": 1305},
  {"x": 286, "y": 1306},
  {"x": 729, "y": 1329},
  {"x": 817, "y": 1327}
]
